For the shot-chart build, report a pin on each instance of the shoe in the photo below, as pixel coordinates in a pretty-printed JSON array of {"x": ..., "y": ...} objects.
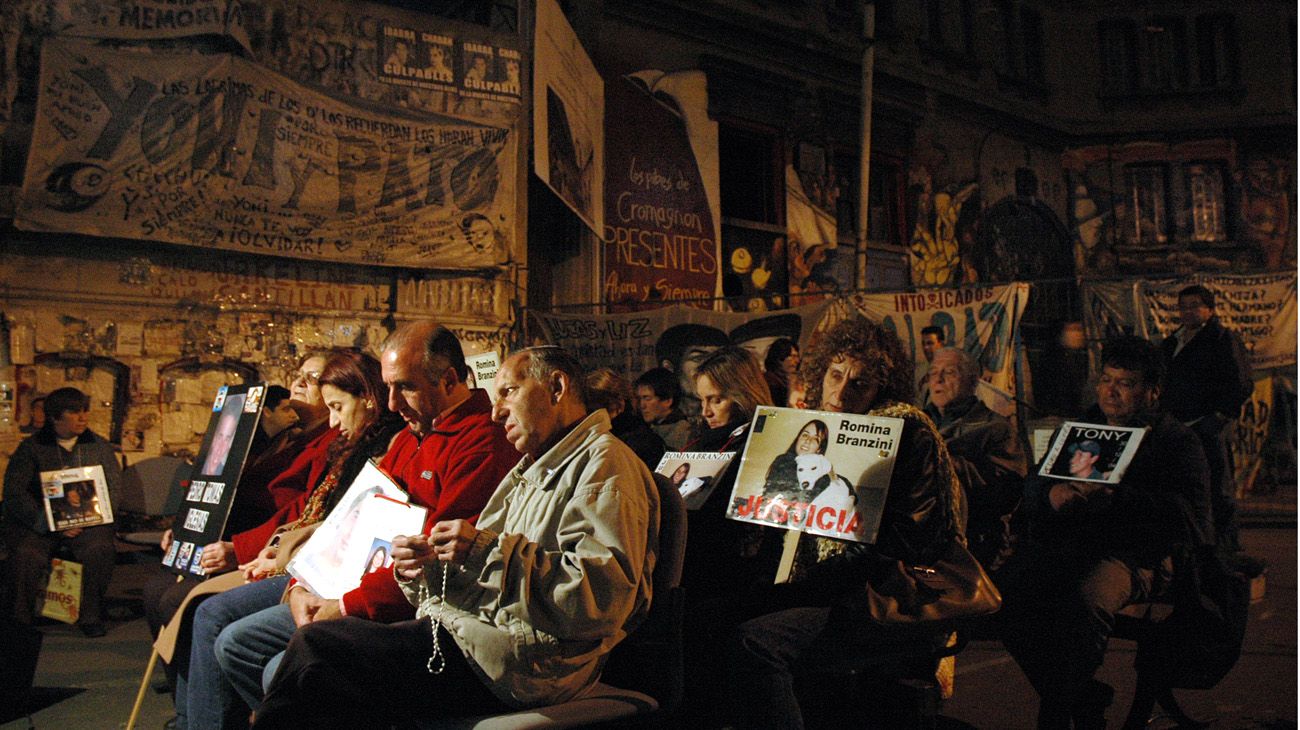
[
  {"x": 170, "y": 724},
  {"x": 93, "y": 631},
  {"x": 1089, "y": 711},
  {"x": 1248, "y": 565}
]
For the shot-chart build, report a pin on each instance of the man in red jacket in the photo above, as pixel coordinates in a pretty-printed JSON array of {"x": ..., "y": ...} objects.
[{"x": 450, "y": 459}]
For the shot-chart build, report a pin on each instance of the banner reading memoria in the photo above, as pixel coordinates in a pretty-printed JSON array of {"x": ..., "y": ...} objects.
[{"x": 217, "y": 152}]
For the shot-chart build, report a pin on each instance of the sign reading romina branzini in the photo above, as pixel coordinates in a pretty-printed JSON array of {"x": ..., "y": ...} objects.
[{"x": 817, "y": 472}]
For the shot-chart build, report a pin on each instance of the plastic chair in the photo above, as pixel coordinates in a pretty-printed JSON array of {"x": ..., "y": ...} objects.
[
  {"x": 149, "y": 488},
  {"x": 645, "y": 670}
]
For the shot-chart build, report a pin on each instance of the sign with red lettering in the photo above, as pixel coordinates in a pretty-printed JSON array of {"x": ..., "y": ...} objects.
[
  {"x": 218, "y": 152},
  {"x": 659, "y": 228},
  {"x": 817, "y": 472}
]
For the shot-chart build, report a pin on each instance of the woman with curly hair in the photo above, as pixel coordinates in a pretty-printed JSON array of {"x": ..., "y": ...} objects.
[{"x": 856, "y": 367}]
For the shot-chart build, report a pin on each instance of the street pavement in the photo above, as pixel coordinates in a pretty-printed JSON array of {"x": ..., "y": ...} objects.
[{"x": 991, "y": 693}]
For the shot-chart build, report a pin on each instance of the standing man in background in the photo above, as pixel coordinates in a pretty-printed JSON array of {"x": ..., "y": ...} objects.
[
  {"x": 1208, "y": 380},
  {"x": 932, "y": 339}
]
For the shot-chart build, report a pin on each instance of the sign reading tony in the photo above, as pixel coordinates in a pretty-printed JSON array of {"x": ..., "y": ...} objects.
[{"x": 218, "y": 152}]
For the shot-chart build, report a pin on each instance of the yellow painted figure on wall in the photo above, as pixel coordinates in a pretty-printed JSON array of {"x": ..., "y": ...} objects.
[{"x": 936, "y": 255}]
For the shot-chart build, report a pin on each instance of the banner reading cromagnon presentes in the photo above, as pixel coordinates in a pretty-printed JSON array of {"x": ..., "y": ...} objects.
[
  {"x": 1261, "y": 307},
  {"x": 217, "y": 152},
  {"x": 630, "y": 344},
  {"x": 981, "y": 320},
  {"x": 659, "y": 227}
]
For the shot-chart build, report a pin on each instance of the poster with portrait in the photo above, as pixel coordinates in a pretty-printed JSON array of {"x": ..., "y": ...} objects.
[
  {"x": 694, "y": 473},
  {"x": 209, "y": 494},
  {"x": 76, "y": 498},
  {"x": 818, "y": 472},
  {"x": 568, "y": 115},
  {"x": 337, "y": 555},
  {"x": 1091, "y": 452}
]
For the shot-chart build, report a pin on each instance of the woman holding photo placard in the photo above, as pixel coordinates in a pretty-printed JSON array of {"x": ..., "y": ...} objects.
[
  {"x": 353, "y": 391},
  {"x": 65, "y": 441},
  {"x": 724, "y": 558},
  {"x": 855, "y": 367}
]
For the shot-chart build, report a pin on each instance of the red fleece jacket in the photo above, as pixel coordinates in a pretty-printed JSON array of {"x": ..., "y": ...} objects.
[
  {"x": 452, "y": 472},
  {"x": 303, "y": 475}
]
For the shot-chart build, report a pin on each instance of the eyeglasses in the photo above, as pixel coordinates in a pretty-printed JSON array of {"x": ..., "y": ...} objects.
[
  {"x": 311, "y": 376},
  {"x": 945, "y": 374}
]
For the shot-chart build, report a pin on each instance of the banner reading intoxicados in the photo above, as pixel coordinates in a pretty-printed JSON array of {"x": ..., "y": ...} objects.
[{"x": 217, "y": 152}]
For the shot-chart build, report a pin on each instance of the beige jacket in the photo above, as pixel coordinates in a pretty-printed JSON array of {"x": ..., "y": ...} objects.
[{"x": 560, "y": 570}]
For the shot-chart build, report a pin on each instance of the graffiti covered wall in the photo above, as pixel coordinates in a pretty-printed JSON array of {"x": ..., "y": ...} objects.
[
  {"x": 1203, "y": 205},
  {"x": 983, "y": 208}
]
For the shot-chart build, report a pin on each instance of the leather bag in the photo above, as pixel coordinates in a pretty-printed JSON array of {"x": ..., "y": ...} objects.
[{"x": 953, "y": 587}]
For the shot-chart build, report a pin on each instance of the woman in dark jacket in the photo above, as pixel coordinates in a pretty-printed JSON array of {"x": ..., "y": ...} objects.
[
  {"x": 65, "y": 441},
  {"x": 855, "y": 367}
]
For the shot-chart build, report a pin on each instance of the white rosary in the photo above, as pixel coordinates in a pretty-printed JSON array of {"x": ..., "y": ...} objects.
[{"x": 437, "y": 655}]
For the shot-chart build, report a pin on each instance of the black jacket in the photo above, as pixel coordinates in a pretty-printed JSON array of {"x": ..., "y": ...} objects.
[
  {"x": 1211, "y": 375},
  {"x": 1166, "y": 489},
  {"x": 991, "y": 463},
  {"x": 637, "y": 434}
]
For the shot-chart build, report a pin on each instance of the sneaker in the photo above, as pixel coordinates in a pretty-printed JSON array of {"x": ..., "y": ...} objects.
[
  {"x": 93, "y": 631},
  {"x": 1248, "y": 565}
]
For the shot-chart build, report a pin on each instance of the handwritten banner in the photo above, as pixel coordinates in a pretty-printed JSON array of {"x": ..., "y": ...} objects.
[
  {"x": 150, "y": 19},
  {"x": 214, "y": 151},
  {"x": 630, "y": 344},
  {"x": 1260, "y": 307},
  {"x": 981, "y": 320},
  {"x": 659, "y": 231}
]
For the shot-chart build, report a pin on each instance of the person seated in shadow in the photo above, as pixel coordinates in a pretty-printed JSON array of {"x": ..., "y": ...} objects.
[
  {"x": 855, "y": 367},
  {"x": 1094, "y": 547},
  {"x": 605, "y": 389}
]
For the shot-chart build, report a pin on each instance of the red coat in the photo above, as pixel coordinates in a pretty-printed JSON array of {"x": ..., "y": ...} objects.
[
  {"x": 295, "y": 482},
  {"x": 452, "y": 472}
]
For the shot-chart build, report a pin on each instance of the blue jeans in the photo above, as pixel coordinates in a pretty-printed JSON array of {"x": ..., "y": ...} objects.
[
  {"x": 204, "y": 697},
  {"x": 246, "y": 647}
]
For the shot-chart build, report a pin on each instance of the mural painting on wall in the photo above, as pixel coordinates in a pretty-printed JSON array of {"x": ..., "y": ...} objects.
[
  {"x": 754, "y": 272},
  {"x": 935, "y": 249},
  {"x": 217, "y": 152},
  {"x": 1195, "y": 206},
  {"x": 1264, "y": 210},
  {"x": 659, "y": 226}
]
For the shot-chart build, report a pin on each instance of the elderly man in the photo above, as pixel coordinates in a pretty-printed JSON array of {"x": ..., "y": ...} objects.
[
  {"x": 518, "y": 611},
  {"x": 448, "y": 459},
  {"x": 1097, "y": 547},
  {"x": 987, "y": 453},
  {"x": 1208, "y": 380}
]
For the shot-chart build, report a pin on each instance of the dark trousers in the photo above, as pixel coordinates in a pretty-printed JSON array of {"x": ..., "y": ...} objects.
[
  {"x": 351, "y": 672},
  {"x": 29, "y": 559},
  {"x": 162, "y": 595},
  {"x": 1057, "y": 617},
  {"x": 802, "y": 626},
  {"x": 1223, "y": 483}
]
